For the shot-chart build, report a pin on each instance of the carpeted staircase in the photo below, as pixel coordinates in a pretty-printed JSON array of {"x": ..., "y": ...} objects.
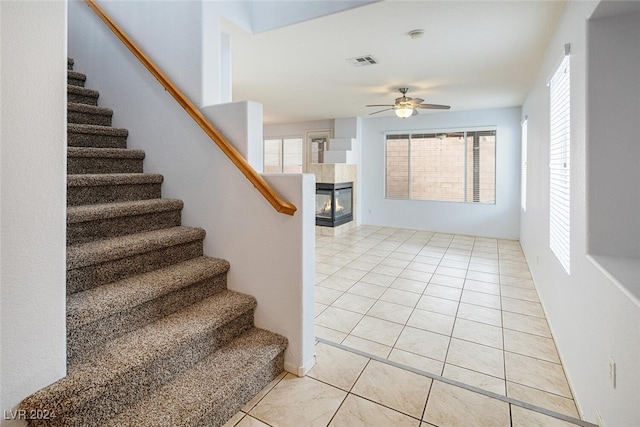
[{"x": 154, "y": 338}]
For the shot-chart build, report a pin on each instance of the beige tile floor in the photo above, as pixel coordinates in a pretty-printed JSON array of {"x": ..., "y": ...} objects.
[
  {"x": 463, "y": 307},
  {"x": 422, "y": 329},
  {"x": 346, "y": 389}
]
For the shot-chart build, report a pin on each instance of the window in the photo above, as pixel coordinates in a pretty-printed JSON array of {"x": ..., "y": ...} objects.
[
  {"x": 523, "y": 169},
  {"x": 559, "y": 164},
  {"x": 283, "y": 155},
  {"x": 454, "y": 166}
]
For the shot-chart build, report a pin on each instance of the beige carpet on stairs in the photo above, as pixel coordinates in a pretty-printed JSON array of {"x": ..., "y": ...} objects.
[{"x": 154, "y": 337}]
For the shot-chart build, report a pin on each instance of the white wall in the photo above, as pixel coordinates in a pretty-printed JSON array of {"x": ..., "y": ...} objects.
[
  {"x": 499, "y": 220},
  {"x": 216, "y": 46},
  {"x": 269, "y": 15},
  {"x": 591, "y": 318},
  {"x": 177, "y": 49},
  {"x": 231, "y": 120},
  {"x": 296, "y": 129},
  {"x": 613, "y": 150},
  {"x": 32, "y": 198},
  {"x": 351, "y": 127}
]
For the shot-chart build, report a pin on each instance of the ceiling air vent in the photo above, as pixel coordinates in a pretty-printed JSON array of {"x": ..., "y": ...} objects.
[{"x": 362, "y": 61}]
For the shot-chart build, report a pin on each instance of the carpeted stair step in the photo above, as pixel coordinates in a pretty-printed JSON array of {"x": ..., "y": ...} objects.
[
  {"x": 127, "y": 368},
  {"x": 88, "y": 114},
  {"x": 90, "y": 160},
  {"x": 92, "y": 222},
  {"x": 214, "y": 389},
  {"x": 81, "y": 135},
  {"x": 96, "y": 263},
  {"x": 107, "y": 312},
  {"x": 82, "y": 95},
  {"x": 153, "y": 335},
  {"x": 75, "y": 78},
  {"x": 87, "y": 189}
]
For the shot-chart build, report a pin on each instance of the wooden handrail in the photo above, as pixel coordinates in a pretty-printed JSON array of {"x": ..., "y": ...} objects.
[{"x": 263, "y": 187}]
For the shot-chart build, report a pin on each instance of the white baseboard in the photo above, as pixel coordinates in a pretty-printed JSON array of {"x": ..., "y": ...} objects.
[{"x": 300, "y": 371}]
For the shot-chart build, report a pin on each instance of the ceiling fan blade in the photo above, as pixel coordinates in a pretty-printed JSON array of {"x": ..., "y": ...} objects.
[
  {"x": 376, "y": 112},
  {"x": 379, "y": 105},
  {"x": 415, "y": 112},
  {"x": 433, "y": 106},
  {"x": 415, "y": 101}
]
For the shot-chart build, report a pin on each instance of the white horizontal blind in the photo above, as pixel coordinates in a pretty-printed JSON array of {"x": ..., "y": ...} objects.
[
  {"x": 283, "y": 155},
  {"x": 292, "y": 155},
  {"x": 559, "y": 164},
  {"x": 272, "y": 156},
  {"x": 523, "y": 170},
  {"x": 456, "y": 166}
]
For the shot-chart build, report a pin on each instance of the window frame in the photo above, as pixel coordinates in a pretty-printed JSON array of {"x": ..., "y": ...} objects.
[{"x": 464, "y": 131}]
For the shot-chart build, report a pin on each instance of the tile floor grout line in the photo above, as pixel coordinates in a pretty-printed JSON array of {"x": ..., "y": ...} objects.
[
  {"x": 339, "y": 406},
  {"x": 351, "y": 392},
  {"x": 455, "y": 383},
  {"x": 510, "y": 413},
  {"x": 396, "y": 247},
  {"x": 262, "y": 397},
  {"x": 456, "y": 317},
  {"x": 504, "y": 345}
]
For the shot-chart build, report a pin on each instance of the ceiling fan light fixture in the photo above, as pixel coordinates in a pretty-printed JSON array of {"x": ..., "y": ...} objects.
[
  {"x": 405, "y": 112},
  {"x": 405, "y": 106}
]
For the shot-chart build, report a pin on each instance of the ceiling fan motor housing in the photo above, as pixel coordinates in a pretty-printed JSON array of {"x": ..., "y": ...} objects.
[{"x": 407, "y": 103}]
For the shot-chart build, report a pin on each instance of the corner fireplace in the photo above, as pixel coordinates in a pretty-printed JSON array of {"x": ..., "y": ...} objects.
[{"x": 334, "y": 203}]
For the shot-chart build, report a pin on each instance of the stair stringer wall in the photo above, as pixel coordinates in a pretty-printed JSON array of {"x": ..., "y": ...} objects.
[
  {"x": 271, "y": 254},
  {"x": 33, "y": 79}
]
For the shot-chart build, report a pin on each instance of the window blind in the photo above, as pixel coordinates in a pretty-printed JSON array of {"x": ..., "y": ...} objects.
[
  {"x": 560, "y": 165},
  {"x": 523, "y": 169},
  {"x": 454, "y": 166},
  {"x": 283, "y": 155}
]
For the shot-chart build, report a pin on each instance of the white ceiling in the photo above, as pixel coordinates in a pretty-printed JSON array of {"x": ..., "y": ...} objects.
[{"x": 474, "y": 55}]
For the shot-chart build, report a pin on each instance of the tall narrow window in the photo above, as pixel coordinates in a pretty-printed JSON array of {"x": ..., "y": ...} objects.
[
  {"x": 523, "y": 168},
  {"x": 559, "y": 163}
]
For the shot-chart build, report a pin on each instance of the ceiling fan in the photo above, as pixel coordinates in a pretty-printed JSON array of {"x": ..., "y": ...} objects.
[{"x": 406, "y": 107}]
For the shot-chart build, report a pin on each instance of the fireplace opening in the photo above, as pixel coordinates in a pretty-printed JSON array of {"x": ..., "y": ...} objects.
[{"x": 334, "y": 203}]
